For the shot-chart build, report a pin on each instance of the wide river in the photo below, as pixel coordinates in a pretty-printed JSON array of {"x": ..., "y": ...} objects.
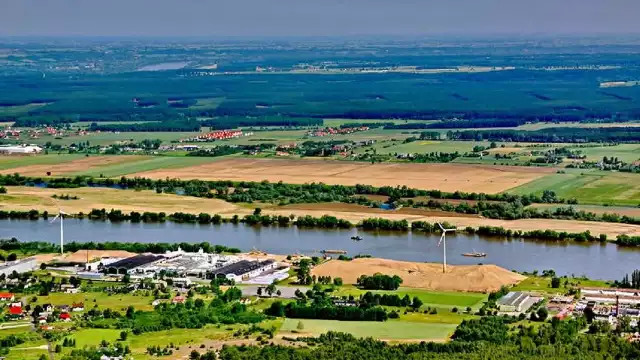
[{"x": 597, "y": 261}]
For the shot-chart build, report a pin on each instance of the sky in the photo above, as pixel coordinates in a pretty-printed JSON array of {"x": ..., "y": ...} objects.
[{"x": 268, "y": 18}]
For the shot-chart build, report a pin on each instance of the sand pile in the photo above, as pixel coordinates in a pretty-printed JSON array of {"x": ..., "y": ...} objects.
[
  {"x": 80, "y": 256},
  {"x": 476, "y": 278}
]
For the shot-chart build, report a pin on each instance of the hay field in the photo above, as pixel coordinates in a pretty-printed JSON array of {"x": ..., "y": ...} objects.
[
  {"x": 445, "y": 177},
  {"x": 26, "y": 198},
  {"x": 468, "y": 278},
  {"x": 66, "y": 167}
]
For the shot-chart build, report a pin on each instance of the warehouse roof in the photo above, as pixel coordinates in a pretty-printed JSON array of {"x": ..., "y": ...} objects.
[
  {"x": 134, "y": 262},
  {"x": 243, "y": 267},
  {"x": 513, "y": 298}
]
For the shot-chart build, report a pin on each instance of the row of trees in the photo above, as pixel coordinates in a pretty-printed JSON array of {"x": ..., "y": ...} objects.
[
  {"x": 552, "y": 135},
  {"x": 264, "y": 191},
  {"x": 34, "y": 247}
]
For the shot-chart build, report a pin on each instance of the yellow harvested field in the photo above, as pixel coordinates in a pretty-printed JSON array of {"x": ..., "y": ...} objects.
[
  {"x": 356, "y": 213},
  {"x": 445, "y": 177},
  {"x": 469, "y": 278},
  {"x": 74, "y": 166},
  {"x": 26, "y": 198}
]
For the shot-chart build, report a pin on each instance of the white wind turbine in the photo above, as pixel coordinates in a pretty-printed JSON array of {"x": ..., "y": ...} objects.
[
  {"x": 443, "y": 240},
  {"x": 61, "y": 216}
]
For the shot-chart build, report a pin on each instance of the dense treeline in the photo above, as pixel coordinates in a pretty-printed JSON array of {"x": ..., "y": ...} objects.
[
  {"x": 537, "y": 234},
  {"x": 552, "y": 135},
  {"x": 317, "y": 304},
  {"x": 379, "y": 282},
  {"x": 516, "y": 210},
  {"x": 459, "y": 124},
  {"x": 233, "y": 122},
  {"x": 175, "y": 125},
  {"x": 35, "y": 247}
]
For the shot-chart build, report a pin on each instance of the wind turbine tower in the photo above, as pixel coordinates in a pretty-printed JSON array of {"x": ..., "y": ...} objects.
[
  {"x": 443, "y": 241},
  {"x": 61, "y": 216}
]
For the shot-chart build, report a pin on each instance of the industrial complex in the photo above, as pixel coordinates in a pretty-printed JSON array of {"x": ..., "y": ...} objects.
[{"x": 185, "y": 265}]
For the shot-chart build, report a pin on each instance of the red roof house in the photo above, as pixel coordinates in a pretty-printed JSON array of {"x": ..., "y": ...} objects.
[
  {"x": 65, "y": 316},
  {"x": 178, "y": 300},
  {"x": 7, "y": 296},
  {"x": 15, "y": 310}
]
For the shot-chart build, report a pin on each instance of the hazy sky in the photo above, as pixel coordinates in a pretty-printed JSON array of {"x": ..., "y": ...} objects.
[{"x": 315, "y": 17}]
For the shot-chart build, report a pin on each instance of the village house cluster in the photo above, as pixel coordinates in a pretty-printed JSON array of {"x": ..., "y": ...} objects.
[
  {"x": 335, "y": 131},
  {"x": 218, "y": 135}
]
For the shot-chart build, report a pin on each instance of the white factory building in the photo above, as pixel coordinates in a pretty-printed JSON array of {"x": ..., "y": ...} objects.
[
  {"x": 20, "y": 149},
  {"x": 19, "y": 266}
]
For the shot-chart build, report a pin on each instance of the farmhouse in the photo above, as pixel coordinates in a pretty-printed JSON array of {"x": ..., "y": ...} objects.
[{"x": 7, "y": 297}]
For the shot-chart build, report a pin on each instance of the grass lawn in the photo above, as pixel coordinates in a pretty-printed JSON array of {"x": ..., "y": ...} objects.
[
  {"x": 388, "y": 330},
  {"x": 15, "y": 330},
  {"x": 118, "y": 302},
  {"x": 588, "y": 187},
  {"x": 31, "y": 354},
  {"x": 438, "y": 299},
  {"x": 543, "y": 284},
  {"x": 145, "y": 164}
]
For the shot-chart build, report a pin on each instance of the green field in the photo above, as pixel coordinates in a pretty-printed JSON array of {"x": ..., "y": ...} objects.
[
  {"x": 438, "y": 299},
  {"x": 118, "y": 302},
  {"x": 625, "y": 152},
  {"x": 31, "y": 354},
  {"x": 9, "y": 162},
  {"x": 543, "y": 284},
  {"x": 145, "y": 164},
  {"x": 388, "y": 330},
  {"x": 106, "y": 138},
  {"x": 589, "y": 187}
]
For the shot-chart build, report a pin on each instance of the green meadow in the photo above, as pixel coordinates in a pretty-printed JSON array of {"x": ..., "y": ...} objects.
[
  {"x": 388, "y": 330},
  {"x": 589, "y": 187}
]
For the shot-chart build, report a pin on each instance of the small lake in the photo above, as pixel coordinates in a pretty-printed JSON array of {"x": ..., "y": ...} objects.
[{"x": 598, "y": 261}]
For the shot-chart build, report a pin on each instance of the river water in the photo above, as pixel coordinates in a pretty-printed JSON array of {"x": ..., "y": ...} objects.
[{"x": 597, "y": 261}]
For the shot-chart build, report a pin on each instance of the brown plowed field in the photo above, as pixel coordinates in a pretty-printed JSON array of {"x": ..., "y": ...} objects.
[
  {"x": 445, "y": 177},
  {"x": 473, "y": 278}
]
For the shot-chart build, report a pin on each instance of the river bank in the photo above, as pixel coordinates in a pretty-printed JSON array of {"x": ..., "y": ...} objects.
[
  {"x": 28, "y": 198},
  {"x": 595, "y": 260}
]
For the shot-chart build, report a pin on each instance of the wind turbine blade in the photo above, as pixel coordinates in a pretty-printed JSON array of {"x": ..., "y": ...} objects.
[
  {"x": 63, "y": 213},
  {"x": 441, "y": 227},
  {"x": 441, "y": 238},
  {"x": 55, "y": 218}
]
